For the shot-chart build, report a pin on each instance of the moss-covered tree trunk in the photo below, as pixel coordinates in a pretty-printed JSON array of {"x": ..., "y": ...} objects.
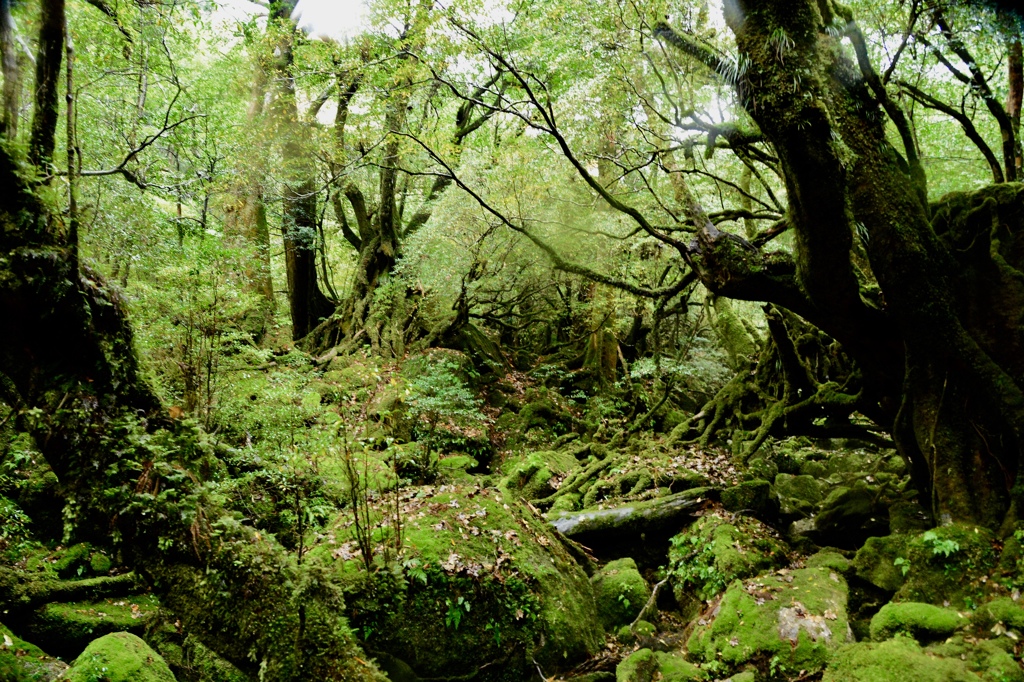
[{"x": 950, "y": 274}]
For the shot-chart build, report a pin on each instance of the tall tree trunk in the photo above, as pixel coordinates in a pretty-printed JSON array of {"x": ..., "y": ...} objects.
[
  {"x": 48, "y": 60},
  {"x": 11, "y": 72},
  {"x": 307, "y": 303}
]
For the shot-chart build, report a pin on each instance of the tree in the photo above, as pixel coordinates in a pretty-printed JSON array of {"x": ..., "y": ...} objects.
[
  {"x": 68, "y": 364},
  {"x": 924, "y": 297}
]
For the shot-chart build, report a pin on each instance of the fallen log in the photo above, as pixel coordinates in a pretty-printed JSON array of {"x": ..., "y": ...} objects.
[{"x": 642, "y": 527}]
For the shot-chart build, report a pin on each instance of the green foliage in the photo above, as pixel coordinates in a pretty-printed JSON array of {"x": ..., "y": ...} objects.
[
  {"x": 944, "y": 546},
  {"x": 440, "y": 397}
]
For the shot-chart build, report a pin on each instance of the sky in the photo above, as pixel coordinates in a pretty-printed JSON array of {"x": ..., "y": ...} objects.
[{"x": 335, "y": 19}]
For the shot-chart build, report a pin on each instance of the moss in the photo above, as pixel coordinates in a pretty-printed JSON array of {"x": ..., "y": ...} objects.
[
  {"x": 483, "y": 586},
  {"x": 100, "y": 563},
  {"x": 799, "y": 496},
  {"x": 949, "y": 564},
  {"x": 1002, "y": 610},
  {"x": 994, "y": 663},
  {"x": 875, "y": 562},
  {"x": 532, "y": 477},
  {"x": 923, "y": 622},
  {"x": 646, "y": 665},
  {"x": 640, "y": 666},
  {"x": 794, "y": 618},
  {"x": 717, "y": 550},
  {"x": 620, "y": 591},
  {"x": 24, "y": 662},
  {"x": 894, "y": 660},
  {"x": 627, "y": 635},
  {"x": 750, "y": 496},
  {"x": 829, "y": 559},
  {"x": 119, "y": 657},
  {"x": 68, "y": 628}
]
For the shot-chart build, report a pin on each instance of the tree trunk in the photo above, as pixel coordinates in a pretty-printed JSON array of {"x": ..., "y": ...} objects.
[
  {"x": 952, "y": 290},
  {"x": 307, "y": 303},
  {"x": 48, "y": 60}
]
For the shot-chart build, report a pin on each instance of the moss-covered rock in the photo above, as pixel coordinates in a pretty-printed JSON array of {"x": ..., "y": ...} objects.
[
  {"x": 923, "y": 622},
  {"x": 24, "y": 662},
  {"x": 621, "y": 593},
  {"x": 949, "y": 566},
  {"x": 895, "y": 660},
  {"x": 482, "y": 586},
  {"x": 794, "y": 618},
  {"x": 68, "y": 628},
  {"x": 830, "y": 559},
  {"x": 851, "y": 514},
  {"x": 799, "y": 496},
  {"x": 716, "y": 550},
  {"x": 751, "y": 497},
  {"x": 991, "y": 660},
  {"x": 119, "y": 657},
  {"x": 533, "y": 476},
  {"x": 628, "y": 635},
  {"x": 646, "y": 665},
  {"x": 876, "y": 562}
]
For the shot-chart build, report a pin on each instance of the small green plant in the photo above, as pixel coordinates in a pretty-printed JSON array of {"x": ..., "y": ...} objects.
[
  {"x": 495, "y": 629},
  {"x": 439, "y": 397},
  {"x": 902, "y": 564},
  {"x": 624, "y": 600},
  {"x": 938, "y": 545},
  {"x": 456, "y": 609}
]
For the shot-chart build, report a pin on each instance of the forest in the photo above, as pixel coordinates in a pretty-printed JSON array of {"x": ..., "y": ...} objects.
[{"x": 501, "y": 340}]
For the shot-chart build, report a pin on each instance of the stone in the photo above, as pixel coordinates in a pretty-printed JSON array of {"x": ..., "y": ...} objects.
[{"x": 119, "y": 657}]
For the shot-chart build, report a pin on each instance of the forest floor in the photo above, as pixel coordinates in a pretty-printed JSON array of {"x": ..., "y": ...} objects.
[{"x": 509, "y": 529}]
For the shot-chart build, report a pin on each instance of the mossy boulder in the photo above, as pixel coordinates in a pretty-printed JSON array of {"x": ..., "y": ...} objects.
[
  {"x": 68, "y": 628},
  {"x": 991, "y": 660},
  {"x": 830, "y": 559},
  {"x": 621, "y": 592},
  {"x": 751, "y": 497},
  {"x": 716, "y": 550},
  {"x": 923, "y": 622},
  {"x": 895, "y": 660},
  {"x": 643, "y": 630},
  {"x": 799, "y": 496},
  {"x": 849, "y": 515},
  {"x": 646, "y": 665},
  {"x": 119, "y": 657},
  {"x": 24, "y": 662},
  {"x": 795, "y": 618},
  {"x": 533, "y": 476},
  {"x": 482, "y": 586},
  {"x": 947, "y": 564}
]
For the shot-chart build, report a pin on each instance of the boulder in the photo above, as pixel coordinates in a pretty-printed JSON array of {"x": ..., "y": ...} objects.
[
  {"x": 24, "y": 662},
  {"x": 119, "y": 657},
  {"x": 795, "y": 618},
  {"x": 621, "y": 592},
  {"x": 799, "y": 496},
  {"x": 646, "y": 665},
  {"x": 895, "y": 660},
  {"x": 483, "y": 586},
  {"x": 923, "y": 622},
  {"x": 716, "y": 550}
]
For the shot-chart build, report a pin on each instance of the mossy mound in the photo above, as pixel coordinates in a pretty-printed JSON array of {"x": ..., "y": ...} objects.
[
  {"x": 750, "y": 497},
  {"x": 895, "y": 660},
  {"x": 923, "y": 622},
  {"x": 621, "y": 592},
  {"x": 791, "y": 620},
  {"x": 119, "y": 657},
  {"x": 24, "y": 662},
  {"x": 799, "y": 495},
  {"x": 533, "y": 476},
  {"x": 68, "y": 628},
  {"x": 483, "y": 586},
  {"x": 716, "y": 550},
  {"x": 646, "y": 665},
  {"x": 992, "y": 660},
  {"x": 948, "y": 564}
]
